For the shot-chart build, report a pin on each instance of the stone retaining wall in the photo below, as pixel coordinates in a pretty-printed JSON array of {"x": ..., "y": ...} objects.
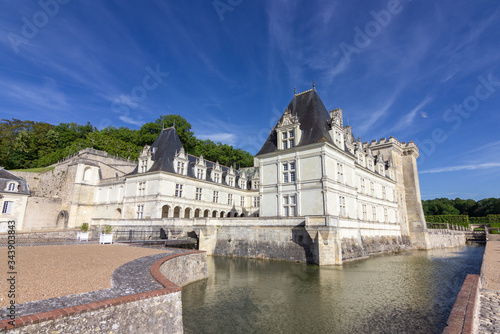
[
  {"x": 445, "y": 239},
  {"x": 156, "y": 311},
  {"x": 461, "y": 319}
]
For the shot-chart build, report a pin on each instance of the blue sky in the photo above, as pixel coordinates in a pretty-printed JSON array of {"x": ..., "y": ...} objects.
[{"x": 416, "y": 70}]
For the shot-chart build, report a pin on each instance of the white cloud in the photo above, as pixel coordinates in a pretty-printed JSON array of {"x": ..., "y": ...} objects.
[
  {"x": 129, "y": 120},
  {"x": 463, "y": 167},
  {"x": 223, "y": 137},
  {"x": 407, "y": 120}
]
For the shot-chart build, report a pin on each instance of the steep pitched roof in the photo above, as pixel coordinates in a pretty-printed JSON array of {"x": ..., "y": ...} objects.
[
  {"x": 313, "y": 118},
  {"x": 164, "y": 148},
  {"x": 5, "y": 174}
]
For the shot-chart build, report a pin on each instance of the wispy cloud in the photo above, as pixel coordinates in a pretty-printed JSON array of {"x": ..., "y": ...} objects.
[
  {"x": 129, "y": 120},
  {"x": 223, "y": 137},
  {"x": 462, "y": 167},
  {"x": 408, "y": 119}
]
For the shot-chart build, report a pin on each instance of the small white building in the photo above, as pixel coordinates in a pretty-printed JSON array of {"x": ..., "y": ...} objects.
[{"x": 14, "y": 194}]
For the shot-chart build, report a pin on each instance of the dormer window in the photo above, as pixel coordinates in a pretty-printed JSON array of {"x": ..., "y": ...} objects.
[
  {"x": 12, "y": 187},
  {"x": 288, "y": 138},
  {"x": 216, "y": 177},
  {"x": 144, "y": 166},
  {"x": 199, "y": 173},
  {"x": 230, "y": 181},
  {"x": 243, "y": 184},
  {"x": 180, "y": 167}
]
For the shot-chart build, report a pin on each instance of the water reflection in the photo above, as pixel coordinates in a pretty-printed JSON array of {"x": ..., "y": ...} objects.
[{"x": 411, "y": 292}]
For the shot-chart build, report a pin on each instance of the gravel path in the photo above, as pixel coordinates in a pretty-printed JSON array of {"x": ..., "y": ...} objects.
[
  {"x": 489, "y": 314},
  {"x": 45, "y": 272}
]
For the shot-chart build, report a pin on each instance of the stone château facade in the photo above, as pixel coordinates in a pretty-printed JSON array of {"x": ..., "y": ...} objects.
[{"x": 310, "y": 169}]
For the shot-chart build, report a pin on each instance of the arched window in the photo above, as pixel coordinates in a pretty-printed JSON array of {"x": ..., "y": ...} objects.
[{"x": 87, "y": 173}]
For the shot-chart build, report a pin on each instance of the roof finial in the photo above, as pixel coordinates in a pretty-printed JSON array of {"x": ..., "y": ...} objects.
[
  {"x": 314, "y": 85},
  {"x": 294, "y": 90}
]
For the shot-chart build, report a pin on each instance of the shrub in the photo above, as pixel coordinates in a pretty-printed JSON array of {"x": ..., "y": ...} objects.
[{"x": 84, "y": 227}]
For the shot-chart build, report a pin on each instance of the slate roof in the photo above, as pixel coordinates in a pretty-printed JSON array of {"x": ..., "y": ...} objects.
[
  {"x": 6, "y": 177},
  {"x": 166, "y": 145},
  {"x": 313, "y": 118}
]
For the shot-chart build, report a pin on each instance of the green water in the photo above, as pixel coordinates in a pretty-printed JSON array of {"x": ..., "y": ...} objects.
[{"x": 410, "y": 292}]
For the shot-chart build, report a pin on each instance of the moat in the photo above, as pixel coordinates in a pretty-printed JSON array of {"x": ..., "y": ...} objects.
[{"x": 411, "y": 292}]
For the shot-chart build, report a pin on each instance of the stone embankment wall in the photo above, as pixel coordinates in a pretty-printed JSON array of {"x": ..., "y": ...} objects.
[
  {"x": 445, "y": 239},
  {"x": 157, "y": 311},
  {"x": 353, "y": 249}
]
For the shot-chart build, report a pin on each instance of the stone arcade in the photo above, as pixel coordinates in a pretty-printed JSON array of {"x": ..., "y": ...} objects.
[{"x": 315, "y": 193}]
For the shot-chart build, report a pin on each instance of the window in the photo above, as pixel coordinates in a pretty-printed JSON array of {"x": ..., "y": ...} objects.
[
  {"x": 12, "y": 187},
  {"x": 243, "y": 184},
  {"x": 141, "y": 188},
  {"x": 216, "y": 177},
  {"x": 374, "y": 213},
  {"x": 256, "y": 202},
  {"x": 384, "y": 194},
  {"x": 337, "y": 138},
  {"x": 365, "y": 214},
  {"x": 144, "y": 166},
  {"x": 199, "y": 173},
  {"x": 289, "y": 172},
  {"x": 288, "y": 139},
  {"x": 178, "y": 190},
  {"x": 372, "y": 189},
  {"x": 215, "y": 198},
  {"x": 198, "y": 194},
  {"x": 362, "y": 182},
  {"x": 340, "y": 172},
  {"x": 7, "y": 207},
  {"x": 180, "y": 167},
  {"x": 229, "y": 199},
  {"x": 342, "y": 211},
  {"x": 256, "y": 184},
  {"x": 289, "y": 205},
  {"x": 230, "y": 181},
  {"x": 140, "y": 211},
  {"x": 386, "y": 217},
  {"x": 242, "y": 201},
  {"x": 394, "y": 198}
]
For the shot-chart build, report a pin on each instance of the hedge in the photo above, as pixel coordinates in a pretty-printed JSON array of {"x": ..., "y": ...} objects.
[{"x": 457, "y": 220}]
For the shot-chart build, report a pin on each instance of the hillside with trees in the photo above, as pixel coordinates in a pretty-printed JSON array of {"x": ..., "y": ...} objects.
[
  {"x": 29, "y": 144},
  {"x": 457, "y": 206}
]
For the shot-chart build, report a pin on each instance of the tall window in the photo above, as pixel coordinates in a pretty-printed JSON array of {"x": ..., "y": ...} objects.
[
  {"x": 141, "y": 188},
  {"x": 289, "y": 205},
  {"x": 365, "y": 214},
  {"x": 362, "y": 181},
  {"x": 216, "y": 177},
  {"x": 372, "y": 189},
  {"x": 288, "y": 139},
  {"x": 384, "y": 194},
  {"x": 340, "y": 172},
  {"x": 180, "y": 167},
  {"x": 289, "y": 172},
  {"x": 256, "y": 201},
  {"x": 140, "y": 211},
  {"x": 215, "y": 198},
  {"x": 230, "y": 199},
  {"x": 144, "y": 166},
  {"x": 242, "y": 201},
  {"x": 178, "y": 190},
  {"x": 342, "y": 210},
  {"x": 386, "y": 217},
  {"x": 230, "y": 181},
  {"x": 256, "y": 184},
  {"x": 243, "y": 184},
  {"x": 374, "y": 213},
  {"x": 12, "y": 187},
  {"x": 7, "y": 207},
  {"x": 394, "y": 197},
  {"x": 198, "y": 194},
  {"x": 199, "y": 173}
]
